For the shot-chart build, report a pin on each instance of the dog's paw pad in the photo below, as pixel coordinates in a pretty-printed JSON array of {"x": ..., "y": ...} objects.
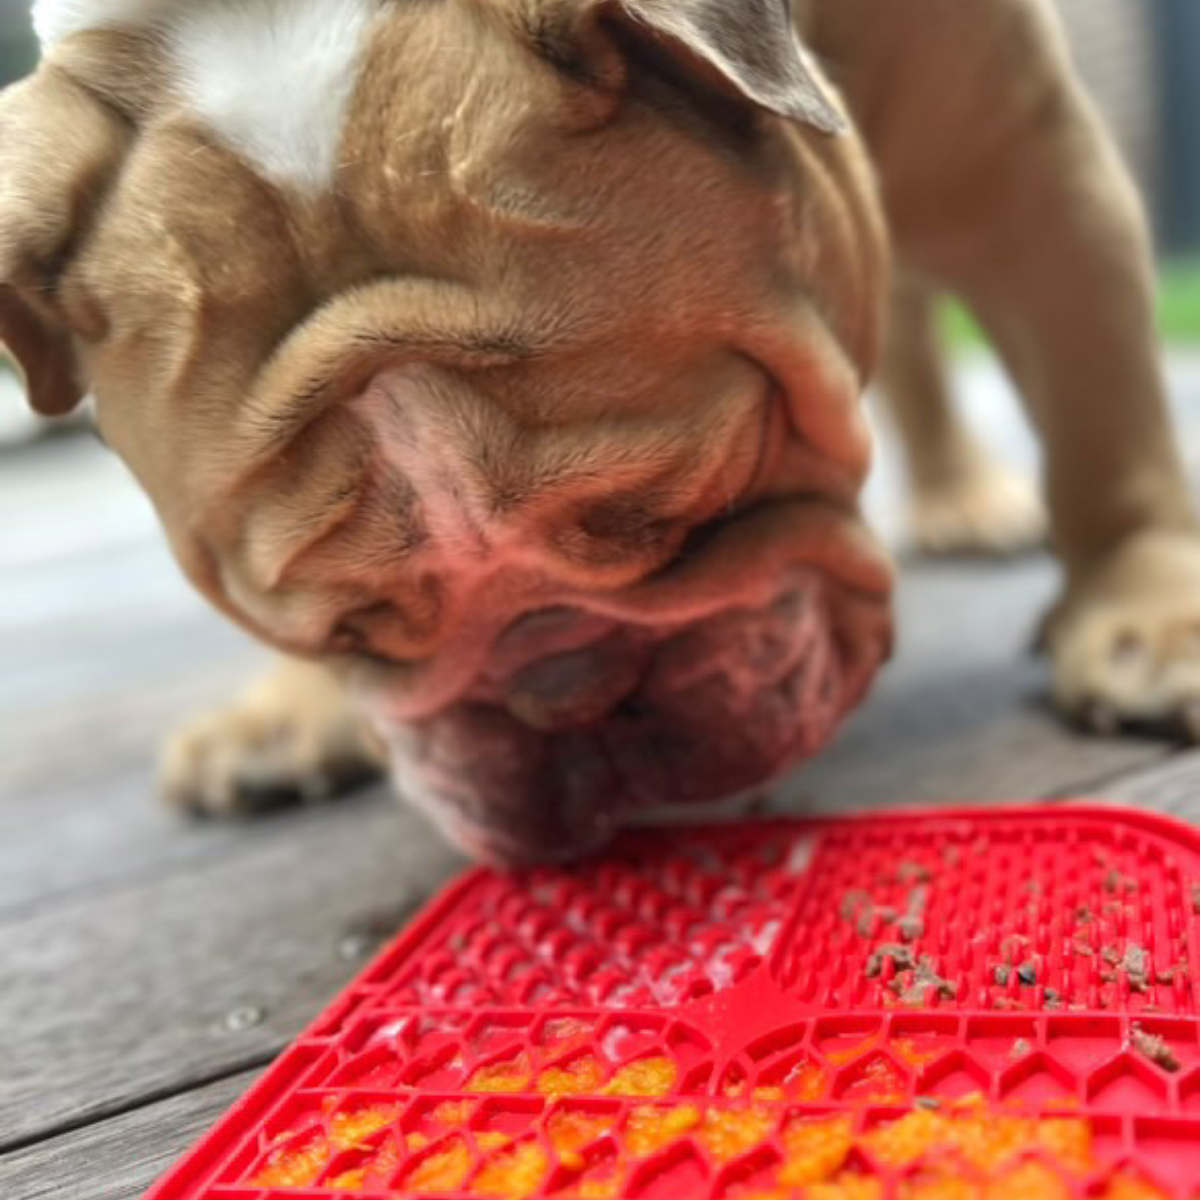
[
  {"x": 987, "y": 510},
  {"x": 240, "y": 763},
  {"x": 1127, "y": 649}
]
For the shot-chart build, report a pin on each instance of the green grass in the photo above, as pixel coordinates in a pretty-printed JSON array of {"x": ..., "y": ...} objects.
[{"x": 1178, "y": 310}]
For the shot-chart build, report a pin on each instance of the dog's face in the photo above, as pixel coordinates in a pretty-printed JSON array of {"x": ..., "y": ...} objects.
[{"x": 506, "y": 355}]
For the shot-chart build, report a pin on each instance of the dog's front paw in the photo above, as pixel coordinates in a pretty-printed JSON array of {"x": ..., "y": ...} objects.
[
  {"x": 1126, "y": 641},
  {"x": 292, "y": 738},
  {"x": 987, "y": 509}
]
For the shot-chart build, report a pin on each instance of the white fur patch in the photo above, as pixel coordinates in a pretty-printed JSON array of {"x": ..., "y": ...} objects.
[
  {"x": 273, "y": 78},
  {"x": 56, "y": 19}
]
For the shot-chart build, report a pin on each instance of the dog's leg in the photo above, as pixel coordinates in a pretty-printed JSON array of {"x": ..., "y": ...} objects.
[
  {"x": 961, "y": 499},
  {"x": 292, "y": 736},
  {"x": 1013, "y": 196}
]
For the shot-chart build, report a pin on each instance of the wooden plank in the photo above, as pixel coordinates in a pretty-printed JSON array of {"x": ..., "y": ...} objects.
[
  {"x": 1171, "y": 786},
  {"x": 120, "y": 1158},
  {"x": 109, "y": 999}
]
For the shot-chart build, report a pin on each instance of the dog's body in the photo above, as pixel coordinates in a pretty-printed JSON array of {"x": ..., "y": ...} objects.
[{"x": 506, "y": 357}]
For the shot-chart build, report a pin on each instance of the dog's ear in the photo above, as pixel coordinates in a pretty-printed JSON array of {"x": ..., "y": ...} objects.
[
  {"x": 750, "y": 46},
  {"x": 59, "y": 151}
]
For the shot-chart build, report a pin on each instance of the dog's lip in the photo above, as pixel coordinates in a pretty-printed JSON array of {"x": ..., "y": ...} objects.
[{"x": 748, "y": 553}]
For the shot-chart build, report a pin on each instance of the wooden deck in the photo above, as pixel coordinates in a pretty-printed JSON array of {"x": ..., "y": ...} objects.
[{"x": 149, "y": 967}]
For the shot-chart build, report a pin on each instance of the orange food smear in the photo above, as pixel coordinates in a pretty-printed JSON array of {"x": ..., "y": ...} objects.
[
  {"x": 491, "y": 1139},
  {"x": 938, "y": 1187},
  {"x": 815, "y": 1149},
  {"x": 378, "y": 1169},
  {"x": 725, "y": 1133},
  {"x": 849, "y": 1187},
  {"x": 649, "y": 1129},
  {"x": 805, "y": 1081},
  {"x": 570, "y": 1131},
  {"x": 451, "y": 1112},
  {"x": 350, "y": 1129},
  {"x": 983, "y": 1140},
  {"x": 1126, "y": 1187},
  {"x": 1029, "y": 1181},
  {"x": 513, "y": 1174},
  {"x": 844, "y": 1054},
  {"x": 913, "y": 1052},
  {"x": 509, "y": 1075},
  {"x": 645, "y": 1077},
  {"x": 602, "y": 1180},
  {"x": 297, "y": 1167},
  {"x": 580, "y": 1076},
  {"x": 444, "y": 1170}
]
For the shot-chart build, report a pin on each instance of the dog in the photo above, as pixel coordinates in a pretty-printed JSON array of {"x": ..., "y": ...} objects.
[{"x": 501, "y": 362}]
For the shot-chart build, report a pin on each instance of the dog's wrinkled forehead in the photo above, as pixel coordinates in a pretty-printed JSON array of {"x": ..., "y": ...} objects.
[{"x": 370, "y": 289}]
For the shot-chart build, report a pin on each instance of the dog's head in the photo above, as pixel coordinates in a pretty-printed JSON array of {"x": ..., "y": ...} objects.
[{"x": 504, "y": 353}]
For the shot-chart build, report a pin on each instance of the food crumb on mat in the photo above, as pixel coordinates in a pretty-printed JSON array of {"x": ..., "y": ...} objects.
[{"x": 1153, "y": 1047}]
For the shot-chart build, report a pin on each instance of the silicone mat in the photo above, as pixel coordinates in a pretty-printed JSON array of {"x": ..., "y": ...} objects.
[{"x": 953, "y": 1005}]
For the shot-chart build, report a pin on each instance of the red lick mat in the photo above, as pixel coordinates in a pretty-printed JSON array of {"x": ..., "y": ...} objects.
[{"x": 954, "y": 1005}]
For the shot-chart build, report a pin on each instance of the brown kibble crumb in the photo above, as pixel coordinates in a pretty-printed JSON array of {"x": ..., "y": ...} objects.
[
  {"x": 851, "y": 902},
  {"x": 1115, "y": 881},
  {"x": 923, "y": 978},
  {"x": 913, "y": 872},
  {"x": 902, "y": 956},
  {"x": 1021, "y": 1047},
  {"x": 928, "y": 1102},
  {"x": 1083, "y": 915},
  {"x": 1110, "y": 954},
  {"x": 1153, "y": 1047},
  {"x": 1136, "y": 964}
]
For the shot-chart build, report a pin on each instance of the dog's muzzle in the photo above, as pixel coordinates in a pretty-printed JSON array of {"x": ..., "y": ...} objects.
[{"x": 548, "y": 754}]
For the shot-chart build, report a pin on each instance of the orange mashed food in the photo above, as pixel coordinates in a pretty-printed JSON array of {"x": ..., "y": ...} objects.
[
  {"x": 579, "y": 1077},
  {"x": 508, "y": 1075},
  {"x": 516, "y": 1172},
  {"x": 645, "y": 1077}
]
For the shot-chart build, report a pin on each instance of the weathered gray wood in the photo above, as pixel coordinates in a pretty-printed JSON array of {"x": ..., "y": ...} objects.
[
  {"x": 1171, "y": 786},
  {"x": 120, "y": 1158},
  {"x": 107, "y": 1000}
]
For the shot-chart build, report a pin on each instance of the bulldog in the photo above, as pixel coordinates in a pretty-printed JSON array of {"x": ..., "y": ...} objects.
[{"x": 500, "y": 363}]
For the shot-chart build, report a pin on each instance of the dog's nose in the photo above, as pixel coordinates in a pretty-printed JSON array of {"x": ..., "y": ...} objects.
[{"x": 571, "y": 689}]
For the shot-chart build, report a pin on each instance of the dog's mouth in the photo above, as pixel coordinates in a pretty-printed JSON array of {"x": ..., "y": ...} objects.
[{"x": 547, "y": 756}]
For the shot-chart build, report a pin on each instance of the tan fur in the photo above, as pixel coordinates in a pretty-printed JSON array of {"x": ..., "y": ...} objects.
[{"x": 572, "y": 264}]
